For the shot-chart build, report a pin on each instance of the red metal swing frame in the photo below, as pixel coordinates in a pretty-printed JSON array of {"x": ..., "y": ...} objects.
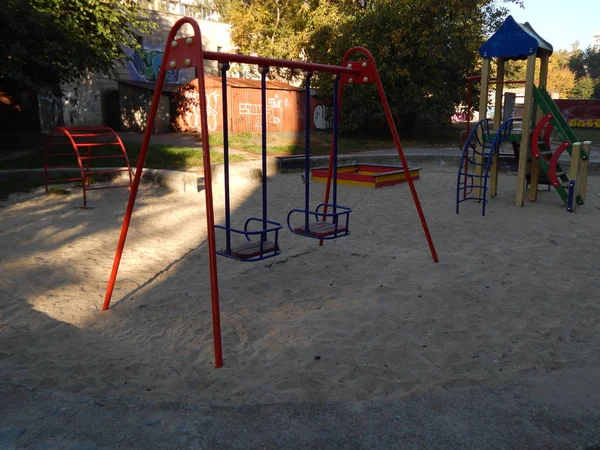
[
  {"x": 187, "y": 52},
  {"x": 82, "y": 141}
]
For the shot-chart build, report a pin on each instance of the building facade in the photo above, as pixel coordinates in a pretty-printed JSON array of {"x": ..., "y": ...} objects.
[{"x": 114, "y": 101}]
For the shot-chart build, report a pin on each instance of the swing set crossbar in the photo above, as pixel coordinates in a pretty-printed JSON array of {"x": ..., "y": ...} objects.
[{"x": 273, "y": 62}]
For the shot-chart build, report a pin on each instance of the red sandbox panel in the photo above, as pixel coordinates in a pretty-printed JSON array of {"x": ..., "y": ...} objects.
[{"x": 369, "y": 175}]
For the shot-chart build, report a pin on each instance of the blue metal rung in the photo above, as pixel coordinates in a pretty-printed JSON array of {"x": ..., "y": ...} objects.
[
  {"x": 479, "y": 141},
  {"x": 571, "y": 196}
]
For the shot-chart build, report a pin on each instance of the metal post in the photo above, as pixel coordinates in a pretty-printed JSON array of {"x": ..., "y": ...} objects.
[
  {"x": 263, "y": 98},
  {"x": 224, "y": 67},
  {"x": 307, "y": 153}
]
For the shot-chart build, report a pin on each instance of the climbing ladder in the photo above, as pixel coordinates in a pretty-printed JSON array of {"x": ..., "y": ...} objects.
[
  {"x": 75, "y": 148},
  {"x": 547, "y": 159},
  {"x": 547, "y": 105},
  {"x": 476, "y": 160}
]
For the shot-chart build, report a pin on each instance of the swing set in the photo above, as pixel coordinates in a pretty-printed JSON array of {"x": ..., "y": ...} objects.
[{"x": 327, "y": 221}]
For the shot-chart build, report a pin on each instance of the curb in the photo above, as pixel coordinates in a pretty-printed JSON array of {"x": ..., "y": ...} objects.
[
  {"x": 170, "y": 179},
  {"x": 248, "y": 172},
  {"x": 291, "y": 163}
]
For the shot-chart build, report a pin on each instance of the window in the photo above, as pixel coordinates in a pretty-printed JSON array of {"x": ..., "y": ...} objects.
[{"x": 187, "y": 10}]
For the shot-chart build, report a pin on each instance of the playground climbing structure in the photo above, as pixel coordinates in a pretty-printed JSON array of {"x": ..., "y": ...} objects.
[{"x": 541, "y": 120}]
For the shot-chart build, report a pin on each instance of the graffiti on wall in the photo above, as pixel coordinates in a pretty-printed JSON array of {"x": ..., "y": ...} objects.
[
  {"x": 79, "y": 104},
  {"x": 274, "y": 111},
  {"x": 192, "y": 119},
  {"x": 145, "y": 65},
  {"x": 580, "y": 113},
  {"x": 51, "y": 111},
  {"x": 321, "y": 115},
  {"x": 580, "y": 123}
]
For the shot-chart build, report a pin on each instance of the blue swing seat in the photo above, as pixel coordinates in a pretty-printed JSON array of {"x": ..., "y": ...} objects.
[
  {"x": 330, "y": 225},
  {"x": 266, "y": 246}
]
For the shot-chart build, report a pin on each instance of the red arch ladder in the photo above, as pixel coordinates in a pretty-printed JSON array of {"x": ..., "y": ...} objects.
[
  {"x": 187, "y": 52},
  {"x": 82, "y": 141}
]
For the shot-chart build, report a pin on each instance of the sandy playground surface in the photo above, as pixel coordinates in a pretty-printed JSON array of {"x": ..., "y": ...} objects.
[{"x": 368, "y": 316}]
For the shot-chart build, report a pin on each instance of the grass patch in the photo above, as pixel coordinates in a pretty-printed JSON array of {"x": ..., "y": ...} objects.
[
  {"x": 176, "y": 158},
  {"x": 291, "y": 143},
  {"x": 57, "y": 191},
  {"x": 288, "y": 143},
  {"x": 159, "y": 156}
]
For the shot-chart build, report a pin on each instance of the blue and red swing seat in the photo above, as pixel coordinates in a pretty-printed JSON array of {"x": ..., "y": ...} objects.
[
  {"x": 253, "y": 250},
  {"x": 320, "y": 228}
]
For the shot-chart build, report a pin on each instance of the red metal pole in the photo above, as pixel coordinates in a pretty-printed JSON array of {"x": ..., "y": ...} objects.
[
  {"x": 194, "y": 51},
  {"x": 331, "y": 153},
  {"x": 79, "y": 162},
  {"x": 392, "y": 125},
  {"x": 122, "y": 146},
  {"x": 210, "y": 215},
  {"x": 136, "y": 183},
  {"x": 409, "y": 179}
]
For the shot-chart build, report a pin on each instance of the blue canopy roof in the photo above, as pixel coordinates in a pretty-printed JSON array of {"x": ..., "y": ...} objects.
[{"x": 515, "y": 41}]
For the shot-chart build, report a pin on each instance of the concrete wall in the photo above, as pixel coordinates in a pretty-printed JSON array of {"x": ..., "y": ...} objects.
[{"x": 134, "y": 106}]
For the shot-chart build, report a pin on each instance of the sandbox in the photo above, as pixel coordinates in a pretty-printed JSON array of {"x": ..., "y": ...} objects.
[{"x": 367, "y": 175}]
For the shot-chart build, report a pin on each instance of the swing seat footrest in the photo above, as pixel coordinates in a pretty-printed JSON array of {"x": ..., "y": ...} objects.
[
  {"x": 252, "y": 249},
  {"x": 321, "y": 229}
]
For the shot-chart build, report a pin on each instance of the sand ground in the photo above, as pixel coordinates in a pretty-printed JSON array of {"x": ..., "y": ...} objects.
[{"x": 365, "y": 317}]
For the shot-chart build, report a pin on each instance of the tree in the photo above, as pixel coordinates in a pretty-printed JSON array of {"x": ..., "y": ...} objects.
[
  {"x": 585, "y": 63},
  {"x": 583, "y": 88},
  {"x": 272, "y": 28},
  {"x": 424, "y": 48},
  {"x": 560, "y": 77},
  {"x": 44, "y": 43},
  {"x": 596, "y": 94}
]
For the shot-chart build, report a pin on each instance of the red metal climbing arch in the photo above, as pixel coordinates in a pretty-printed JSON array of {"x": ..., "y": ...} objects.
[{"x": 75, "y": 148}]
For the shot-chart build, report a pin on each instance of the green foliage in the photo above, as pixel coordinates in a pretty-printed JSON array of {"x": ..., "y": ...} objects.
[
  {"x": 596, "y": 94},
  {"x": 424, "y": 49},
  {"x": 44, "y": 43},
  {"x": 585, "y": 63},
  {"x": 560, "y": 77},
  {"x": 273, "y": 28},
  {"x": 583, "y": 88}
]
